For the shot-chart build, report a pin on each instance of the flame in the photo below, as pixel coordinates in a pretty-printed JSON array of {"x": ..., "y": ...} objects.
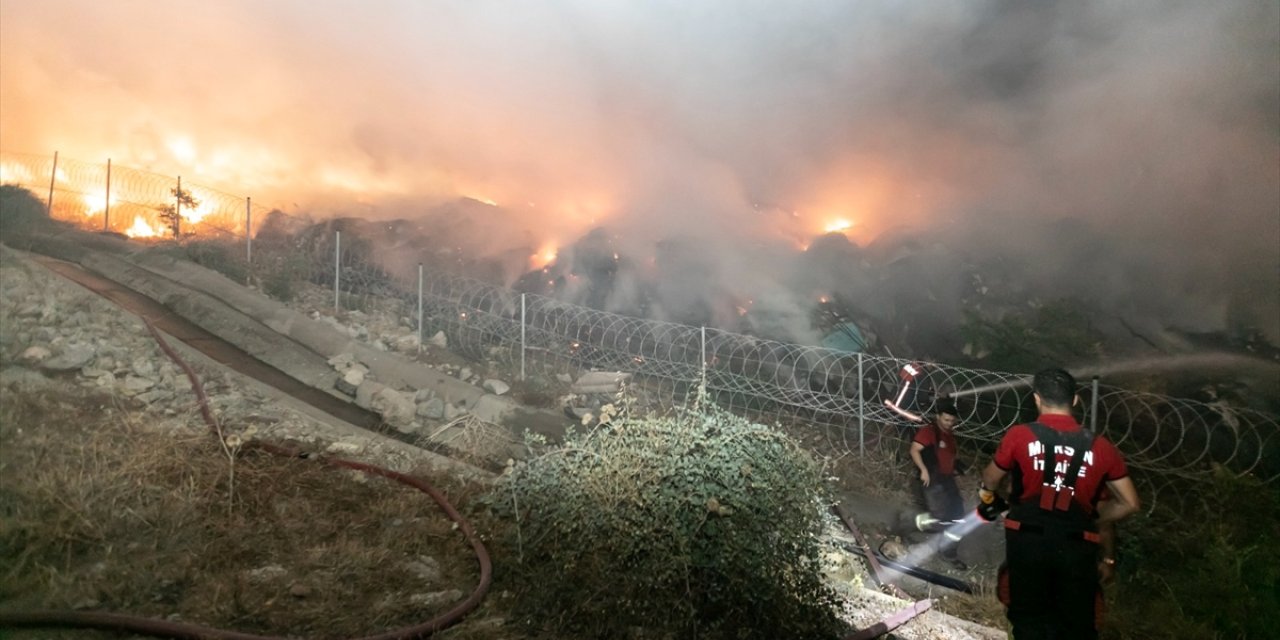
[
  {"x": 545, "y": 256},
  {"x": 838, "y": 225},
  {"x": 204, "y": 208},
  {"x": 14, "y": 173},
  {"x": 95, "y": 202},
  {"x": 141, "y": 229}
]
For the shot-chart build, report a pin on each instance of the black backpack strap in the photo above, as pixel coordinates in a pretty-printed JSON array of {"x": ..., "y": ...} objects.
[{"x": 1055, "y": 496}]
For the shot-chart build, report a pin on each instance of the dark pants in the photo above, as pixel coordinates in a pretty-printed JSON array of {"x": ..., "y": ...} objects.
[
  {"x": 942, "y": 500},
  {"x": 942, "y": 497},
  {"x": 1053, "y": 582}
]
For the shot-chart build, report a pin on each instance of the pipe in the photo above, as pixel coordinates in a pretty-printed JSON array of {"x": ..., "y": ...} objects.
[{"x": 913, "y": 571}]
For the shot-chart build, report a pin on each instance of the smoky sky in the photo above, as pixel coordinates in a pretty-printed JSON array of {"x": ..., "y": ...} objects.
[{"x": 1151, "y": 129}]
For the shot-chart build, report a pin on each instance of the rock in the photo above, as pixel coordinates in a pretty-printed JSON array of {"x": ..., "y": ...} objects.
[
  {"x": 155, "y": 395},
  {"x": 464, "y": 374},
  {"x": 364, "y": 393},
  {"x": 73, "y": 358},
  {"x": 423, "y": 395},
  {"x": 496, "y": 387},
  {"x": 299, "y": 590},
  {"x": 344, "y": 448},
  {"x": 425, "y": 568},
  {"x": 35, "y": 355},
  {"x": 407, "y": 343},
  {"x": 439, "y": 340},
  {"x": 134, "y": 384},
  {"x": 600, "y": 382},
  {"x": 432, "y": 408},
  {"x": 23, "y": 379},
  {"x": 451, "y": 412},
  {"x": 564, "y": 377},
  {"x": 350, "y": 381},
  {"x": 342, "y": 361},
  {"x": 435, "y": 599},
  {"x": 267, "y": 573},
  {"x": 394, "y": 407},
  {"x": 143, "y": 367}
]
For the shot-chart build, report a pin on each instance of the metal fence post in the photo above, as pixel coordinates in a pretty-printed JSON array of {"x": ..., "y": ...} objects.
[
  {"x": 248, "y": 230},
  {"x": 337, "y": 267},
  {"x": 106, "y": 206},
  {"x": 420, "y": 336},
  {"x": 703, "y": 374},
  {"x": 177, "y": 212},
  {"x": 523, "y": 343},
  {"x": 1093, "y": 407},
  {"x": 862, "y": 411},
  {"x": 48, "y": 208}
]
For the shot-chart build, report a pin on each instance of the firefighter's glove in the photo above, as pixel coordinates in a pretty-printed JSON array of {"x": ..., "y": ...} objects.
[{"x": 990, "y": 505}]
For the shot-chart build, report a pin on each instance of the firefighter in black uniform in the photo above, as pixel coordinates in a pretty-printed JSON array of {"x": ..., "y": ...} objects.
[{"x": 1059, "y": 471}]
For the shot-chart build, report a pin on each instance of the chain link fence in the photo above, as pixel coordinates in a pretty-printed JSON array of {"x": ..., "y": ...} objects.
[{"x": 838, "y": 393}]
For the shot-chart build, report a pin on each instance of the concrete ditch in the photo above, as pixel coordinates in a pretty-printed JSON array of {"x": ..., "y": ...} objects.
[{"x": 303, "y": 348}]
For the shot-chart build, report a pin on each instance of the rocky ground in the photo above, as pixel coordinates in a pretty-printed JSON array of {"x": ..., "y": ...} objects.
[{"x": 56, "y": 337}]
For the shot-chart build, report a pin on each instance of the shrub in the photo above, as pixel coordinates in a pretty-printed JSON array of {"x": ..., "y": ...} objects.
[
  {"x": 218, "y": 256},
  {"x": 20, "y": 211},
  {"x": 700, "y": 524},
  {"x": 1203, "y": 563},
  {"x": 280, "y": 274}
]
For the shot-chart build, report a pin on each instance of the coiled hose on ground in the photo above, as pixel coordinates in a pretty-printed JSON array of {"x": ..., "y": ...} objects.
[{"x": 168, "y": 629}]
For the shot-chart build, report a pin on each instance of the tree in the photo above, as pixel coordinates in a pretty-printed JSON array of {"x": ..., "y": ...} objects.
[{"x": 172, "y": 213}]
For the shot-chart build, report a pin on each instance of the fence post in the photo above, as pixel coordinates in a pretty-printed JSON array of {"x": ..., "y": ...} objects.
[
  {"x": 523, "y": 345},
  {"x": 106, "y": 206},
  {"x": 1093, "y": 407},
  {"x": 248, "y": 230},
  {"x": 703, "y": 376},
  {"x": 48, "y": 207},
  {"x": 420, "y": 335},
  {"x": 862, "y": 410},
  {"x": 337, "y": 268},
  {"x": 177, "y": 212}
]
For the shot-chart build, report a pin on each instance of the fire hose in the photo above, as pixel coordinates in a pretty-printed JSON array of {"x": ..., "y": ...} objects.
[{"x": 185, "y": 631}]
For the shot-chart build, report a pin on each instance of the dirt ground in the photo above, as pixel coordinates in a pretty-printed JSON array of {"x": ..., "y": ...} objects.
[{"x": 106, "y": 507}]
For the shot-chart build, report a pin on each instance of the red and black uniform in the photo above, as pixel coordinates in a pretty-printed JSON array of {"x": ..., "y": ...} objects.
[
  {"x": 942, "y": 496},
  {"x": 1059, "y": 471}
]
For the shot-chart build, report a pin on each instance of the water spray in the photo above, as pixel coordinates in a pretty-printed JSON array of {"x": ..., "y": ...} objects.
[
  {"x": 955, "y": 531},
  {"x": 1023, "y": 381}
]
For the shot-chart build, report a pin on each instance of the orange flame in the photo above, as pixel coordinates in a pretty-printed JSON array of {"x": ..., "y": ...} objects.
[
  {"x": 545, "y": 256},
  {"x": 141, "y": 229}
]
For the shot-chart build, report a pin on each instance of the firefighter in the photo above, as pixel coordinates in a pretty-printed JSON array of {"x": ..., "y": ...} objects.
[
  {"x": 933, "y": 451},
  {"x": 1058, "y": 471}
]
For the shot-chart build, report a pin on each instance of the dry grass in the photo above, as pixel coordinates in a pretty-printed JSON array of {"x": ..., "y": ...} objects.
[{"x": 105, "y": 509}]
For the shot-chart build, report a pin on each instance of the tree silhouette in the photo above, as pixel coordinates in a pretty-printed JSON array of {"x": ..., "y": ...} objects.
[{"x": 172, "y": 213}]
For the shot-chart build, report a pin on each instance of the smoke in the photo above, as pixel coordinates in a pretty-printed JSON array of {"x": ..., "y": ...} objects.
[{"x": 1122, "y": 150}]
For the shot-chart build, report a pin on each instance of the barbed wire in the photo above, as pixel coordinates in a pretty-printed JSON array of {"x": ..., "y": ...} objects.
[
  {"x": 839, "y": 393},
  {"x": 80, "y": 195}
]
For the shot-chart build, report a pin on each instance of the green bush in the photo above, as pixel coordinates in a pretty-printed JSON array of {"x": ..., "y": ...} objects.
[
  {"x": 218, "y": 256},
  {"x": 20, "y": 211},
  {"x": 280, "y": 271},
  {"x": 1203, "y": 564},
  {"x": 700, "y": 525}
]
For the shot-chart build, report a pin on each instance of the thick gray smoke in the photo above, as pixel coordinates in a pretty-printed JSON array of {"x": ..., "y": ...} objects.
[{"x": 1122, "y": 150}]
